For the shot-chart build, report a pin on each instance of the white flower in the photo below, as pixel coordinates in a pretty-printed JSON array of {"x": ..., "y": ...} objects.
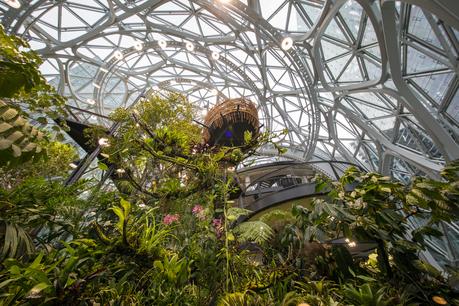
[
  {"x": 103, "y": 142},
  {"x": 357, "y": 204}
]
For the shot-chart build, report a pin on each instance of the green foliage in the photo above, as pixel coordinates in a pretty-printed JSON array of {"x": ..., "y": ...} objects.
[
  {"x": 255, "y": 231},
  {"x": 39, "y": 212},
  {"x": 368, "y": 207},
  {"x": 122, "y": 212},
  {"x": 365, "y": 295},
  {"x": 233, "y": 213},
  {"x": 16, "y": 241},
  {"x": 277, "y": 216},
  {"x": 174, "y": 270},
  {"x": 152, "y": 236},
  {"x": 53, "y": 164},
  {"x": 53, "y": 279},
  {"x": 21, "y": 80},
  {"x": 19, "y": 140},
  {"x": 22, "y": 85},
  {"x": 18, "y": 69}
]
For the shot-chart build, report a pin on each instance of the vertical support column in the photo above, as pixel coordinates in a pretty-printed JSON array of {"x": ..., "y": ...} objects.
[{"x": 88, "y": 159}]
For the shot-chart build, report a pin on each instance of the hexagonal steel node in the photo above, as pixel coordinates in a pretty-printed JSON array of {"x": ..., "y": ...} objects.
[{"x": 226, "y": 122}]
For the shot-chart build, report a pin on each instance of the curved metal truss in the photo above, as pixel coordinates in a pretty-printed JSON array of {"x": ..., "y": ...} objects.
[{"x": 369, "y": 82}]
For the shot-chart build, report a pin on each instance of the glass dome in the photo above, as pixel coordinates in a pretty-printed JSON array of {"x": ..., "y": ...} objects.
[{"x": 369, "y": 82}]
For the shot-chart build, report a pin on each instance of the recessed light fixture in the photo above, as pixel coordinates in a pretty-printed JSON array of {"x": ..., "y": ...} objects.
[
  {"x": 162, "y": 44},
  {"x": 215, "y": 55},
  {"x": 118, "y": 55},
  {"x": 13, "y": 3},
  {"x": 287, "y": 43},
  {"x": 189, "y": 46},
  {"x": 138, "y": 45}
]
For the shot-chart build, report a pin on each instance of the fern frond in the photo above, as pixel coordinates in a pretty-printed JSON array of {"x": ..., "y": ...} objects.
[{"x": 255, "y": 231}]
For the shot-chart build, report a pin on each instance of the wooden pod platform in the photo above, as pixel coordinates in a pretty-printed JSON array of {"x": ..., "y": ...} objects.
[{"x": 226, "y": 122}]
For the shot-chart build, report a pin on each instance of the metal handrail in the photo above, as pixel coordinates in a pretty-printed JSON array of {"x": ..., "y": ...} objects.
[{"x": 331, "y": 163}]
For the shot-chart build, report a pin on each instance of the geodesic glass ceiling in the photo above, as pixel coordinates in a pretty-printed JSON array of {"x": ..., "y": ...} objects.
[{"x": 369, "y": 82}]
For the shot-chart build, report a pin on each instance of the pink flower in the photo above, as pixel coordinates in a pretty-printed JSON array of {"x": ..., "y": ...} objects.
[
  {"x": 169, "y": 219},
  {"x": 199, "y": 212},
  {"x": 197, "y": 209},
  {"x": 217, "y": 224}
]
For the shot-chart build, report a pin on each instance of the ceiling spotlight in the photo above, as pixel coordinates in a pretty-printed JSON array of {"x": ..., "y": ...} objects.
[
  {"x": 91, "y": 101},
  {"x": 162, "y": 44},
  {"x": 138, "y": 45},
  {"x": 287, "y": 43},
  {"x": 118, "y": 55},
  {"x": 13, "y": 3},
  {"x": 215, "y": 55},
  {"x": 96, "y": 85},
  {"x": 189, "y": 46},
  {"x": 214, "y": 92},
  {"x": 103, "y": 142}
]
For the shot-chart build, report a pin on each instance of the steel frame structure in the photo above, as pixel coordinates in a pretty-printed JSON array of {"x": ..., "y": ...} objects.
[{"x": 371, "y": 82}]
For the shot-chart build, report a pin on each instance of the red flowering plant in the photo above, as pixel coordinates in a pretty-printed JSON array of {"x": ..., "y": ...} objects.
[
  {"x": 169, "y": 219},
  {"x": 199, "y": 212}
]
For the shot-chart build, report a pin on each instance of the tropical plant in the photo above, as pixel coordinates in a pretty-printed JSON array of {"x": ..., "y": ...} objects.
[
  {"x": 19, "y": 140},
  {"x": 39, "y": 213},
  {"x": 55, "y": 163},
  {"x": 365, "y": 295},
  {"x": 21, "y": 82}
]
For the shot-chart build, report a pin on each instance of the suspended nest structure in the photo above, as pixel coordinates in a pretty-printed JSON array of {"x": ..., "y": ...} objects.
[{"x": 227, "y": 122}]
